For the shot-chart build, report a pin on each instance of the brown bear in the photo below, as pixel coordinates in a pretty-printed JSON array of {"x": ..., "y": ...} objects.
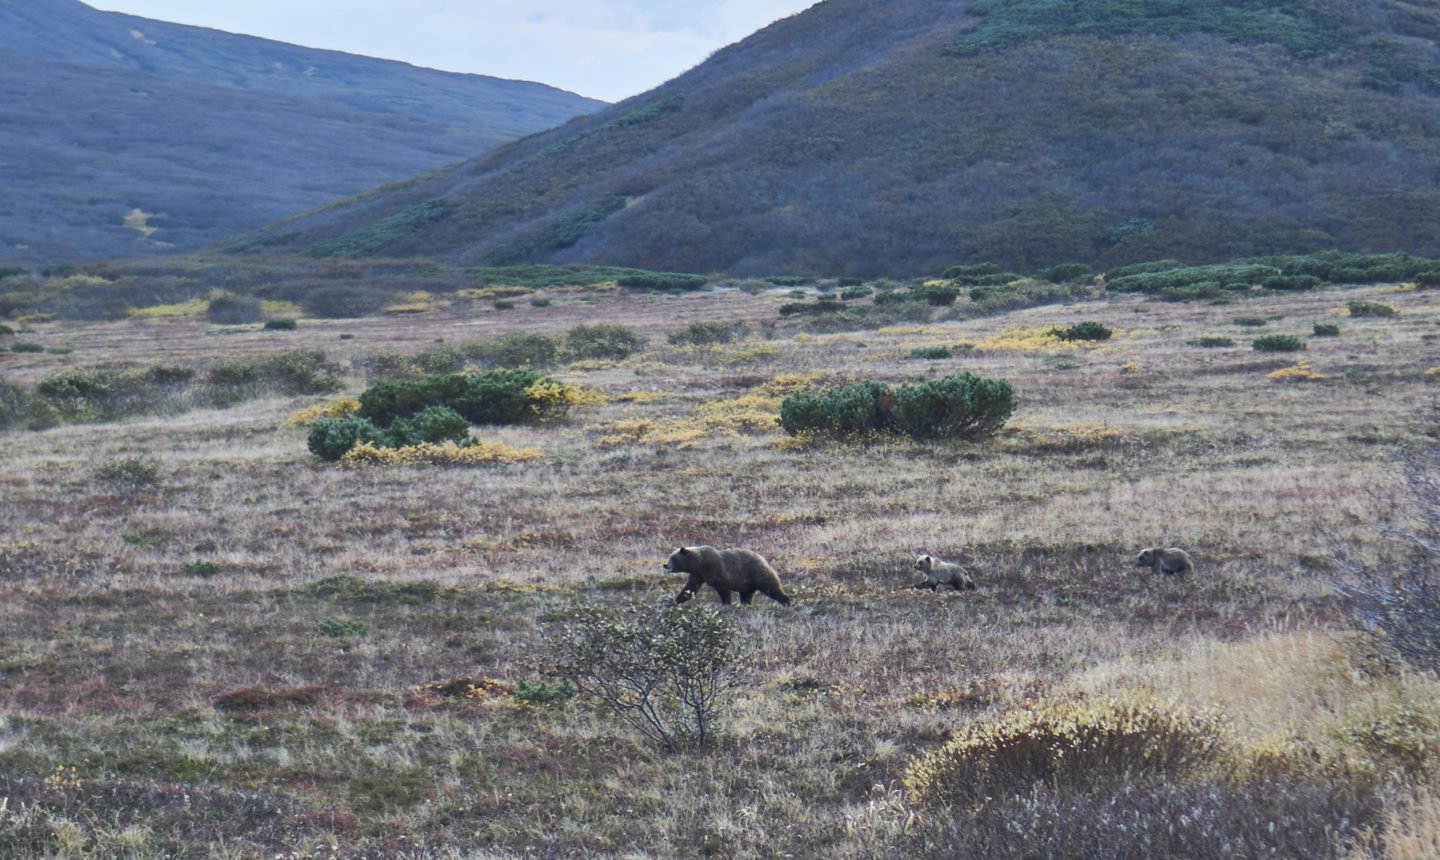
[{"x": 725, "y": 570}]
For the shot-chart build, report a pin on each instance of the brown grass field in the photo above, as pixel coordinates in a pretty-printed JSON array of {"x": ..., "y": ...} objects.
[{"x": 278, "y": 707}]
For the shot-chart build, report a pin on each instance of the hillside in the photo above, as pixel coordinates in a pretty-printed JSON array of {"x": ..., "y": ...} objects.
[
  {"x": 210, "y": 133},
  {"x": 866, "y": 137}
]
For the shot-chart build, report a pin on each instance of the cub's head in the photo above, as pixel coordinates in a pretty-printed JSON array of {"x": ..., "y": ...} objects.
[
  {"x": 1146, "y": 559},
  {"x": 925, "y": 563},
  {"x": 682, "y": 560}
]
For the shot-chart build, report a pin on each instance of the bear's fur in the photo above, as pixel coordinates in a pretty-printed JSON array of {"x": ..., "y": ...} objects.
[
  {"x": 938, "y": 573},
  {"x": 725, "y": 570},
  {"x": 1166, "y": 561}
]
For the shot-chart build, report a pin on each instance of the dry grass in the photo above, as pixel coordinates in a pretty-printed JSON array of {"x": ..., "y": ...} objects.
[{"x": 177, "y": 653}]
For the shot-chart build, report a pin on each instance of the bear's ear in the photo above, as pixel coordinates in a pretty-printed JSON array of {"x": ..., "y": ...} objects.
[{"x": 682, "y": 551}]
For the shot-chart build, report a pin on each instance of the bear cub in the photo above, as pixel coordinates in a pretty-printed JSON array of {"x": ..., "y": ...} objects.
[
  {"x": 938, "y": 573},
  {"x": 726, "y": 570}
]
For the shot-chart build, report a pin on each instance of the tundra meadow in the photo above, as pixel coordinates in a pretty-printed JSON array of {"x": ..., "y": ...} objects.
[{"x": 218, "y": 644}]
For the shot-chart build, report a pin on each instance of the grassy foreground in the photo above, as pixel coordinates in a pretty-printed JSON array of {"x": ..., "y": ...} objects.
[{"x": 265, "y": 656}]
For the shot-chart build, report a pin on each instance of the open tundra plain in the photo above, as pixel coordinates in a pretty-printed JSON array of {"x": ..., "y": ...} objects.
[{"x": 257, "y": 654}]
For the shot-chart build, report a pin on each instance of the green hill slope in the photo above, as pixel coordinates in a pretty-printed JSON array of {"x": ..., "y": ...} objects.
[
  {"x": 866, "y": 137},
  {"x": 209, "y": 133}
]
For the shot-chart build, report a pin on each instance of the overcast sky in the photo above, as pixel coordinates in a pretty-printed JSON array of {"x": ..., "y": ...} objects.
[{"x": 606, "y": 49}]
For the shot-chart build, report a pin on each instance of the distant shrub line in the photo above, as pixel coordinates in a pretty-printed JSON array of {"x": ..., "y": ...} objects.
[{"x": 92, "y": 395}]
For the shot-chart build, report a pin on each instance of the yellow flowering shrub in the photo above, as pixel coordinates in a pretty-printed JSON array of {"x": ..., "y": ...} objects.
[
  {"x": 748, "y": 413},
  {"x": 1025, "y": 340},
  {"x": 443, "y": 454},
  {"x": 1299, "y": 372},
  {"x": 279, "y": 307},
  {"x": 340, "y": 408},
  {"x": 753, "y": 352},
  {"x": 643, "y": 396},
  {"x": 789, "y": 383},
  {"x": 553, "y": 398},
  {"x": 1081, "y": 744}
]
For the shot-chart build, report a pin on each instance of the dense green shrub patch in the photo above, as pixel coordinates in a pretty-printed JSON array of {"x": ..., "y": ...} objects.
[
  {"x": 707, "y": 333},
  {"x": 1224, "y": 276},
  {"x": 281, "y": 324},
  {"x": 603, "y": 341},
  {"x": 1278, "y": 343},
  {"x": 1211, "y": 342},
  {"x": 1088, "y": 330},
  {"x": 1326, "y": 330},
  {"x": 1371, "y": 309},
  {"x": 962, "y": 406},
  {"x": 663, "y": 281}
]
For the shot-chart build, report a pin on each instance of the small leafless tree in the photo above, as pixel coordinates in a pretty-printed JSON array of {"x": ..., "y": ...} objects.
[
  {"x": 667, "y": 672},
  {"x": 1394, "y": 598}
]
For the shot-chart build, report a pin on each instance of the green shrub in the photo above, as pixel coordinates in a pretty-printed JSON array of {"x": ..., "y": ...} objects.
[
  {"x": 78, "y": 395},
  {"x": 602, "y": 341},
  {"x": 962, "y": 406},
  {"x": 517, "y": 349},
  {"x": 14, "y": 401},
  {"x": 1009, "y": 297},
  {"x": 541, "y": 693},
  {"x": 822, "y": 305},
  {"x": 789, "y": 280},
  {"x": 332, "y": 438},
  {"x": 23, "y": 346},
  {"x": 663, "y": 281},
  {"x": 1227, "y": 276},
  {"x": 1211, "y": 342},
  {"x": 1066, "y": 272},
  {"x": 707, "y": 333},
  {"x": 1089, "y": 330},
  {"x": 1371, "y": 309},
  {"x": 230, "y": 309},
  {"x": 6, "y": 331},
  {"x": 492, "y": 397},
  {"x": 1085, "y": 746},
  {"x": 128, "y": 476},
  {"x": 539, "y": 302},
  {"x": 343, "y": 628},
  {"x": 853, "y": 293},
  {"x": 937, "y": 295},
  {"x": 1278, "y": 343},
  {"x": 503, "y": 305},
  {"x": 1291, "y": 283},
  {"x": 203, "y": 569},
  {"x": 434, "y": 424},
  {"x": 931, "y": 352},
  {"x": 1252, "y": 322},
  {"x": 281, "y": 324},
  {"x": 1327, "y": 330},
  {"x": 970, "y": 272}
]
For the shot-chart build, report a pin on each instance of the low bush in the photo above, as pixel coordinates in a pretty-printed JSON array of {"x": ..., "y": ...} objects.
[
  {"x": 822, "y": 305},
  {"x": 1278, "y": 343},
  {"x": 332, "y": 438},
  {"x": 1211, "y": 342},
  {"x": 517, "y": 350},
  {"x": 13, "y": 402},
  {"x": 602, "y": 341},
  {"x": 493, "y": 397},
  {"x": 961, "y": 406},
  {"x": 281, "y": 324},
  {"x": 1326, "y": 330},
  {"x": 503, "y": 305},
  {"x": 931, "y": 352},
  {"x": 854, "y": 293},
  {"x": 1066, "y": 272},
  {"x": 434, "y": 424},
  {"x": 1227, "y": 276},
  {"x": 968, "y": 273},
  {"x": 231, "y": 309},
  {"x": 1088, "y": 330},
  {"x": 25, "y": 346},
  {"x": 936, "y": 295},
  {"x": 707, "y": 333},
  {"x": 128, "y": 476},
  {"x": 1077, "y": 745},
  {"x": 1251, "y": 322},
  {"x": 663, "y": 281},
  {"x": 1371, "y": 309}
]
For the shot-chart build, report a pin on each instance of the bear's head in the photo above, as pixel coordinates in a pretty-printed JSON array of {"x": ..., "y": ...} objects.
[
  {"x": 925, "y": 563},
  {"x": 1146, "y": 559},
  {"x": 682, "y": 560}
]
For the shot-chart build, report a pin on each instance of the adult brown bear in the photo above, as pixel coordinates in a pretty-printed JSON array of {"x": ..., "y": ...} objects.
[{"x": 725, "y": 570}]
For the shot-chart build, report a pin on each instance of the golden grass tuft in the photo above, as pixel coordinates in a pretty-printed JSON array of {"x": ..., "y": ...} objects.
[
  {"x": 749, "y": 413},
  {"x": 1298, "y": 372},
  {"x": 443, "y": 454},
  {"x": 191, "y": 308},
  {"x": 645, "y": 431}
]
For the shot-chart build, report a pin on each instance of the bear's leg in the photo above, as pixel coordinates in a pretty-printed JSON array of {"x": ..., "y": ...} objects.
[
  {"x": 684, "y": 595},
  {"x": 745, "y": 597},
  {"x": 724, "y": 594}
]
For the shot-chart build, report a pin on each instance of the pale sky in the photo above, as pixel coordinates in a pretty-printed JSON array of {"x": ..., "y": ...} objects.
[{"x": 606, "y": 49}]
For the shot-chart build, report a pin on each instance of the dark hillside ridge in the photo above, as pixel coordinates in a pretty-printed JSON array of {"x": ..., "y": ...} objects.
[
  {"x": 871, "y": 137},
  {"x": 211, "y": 133}
]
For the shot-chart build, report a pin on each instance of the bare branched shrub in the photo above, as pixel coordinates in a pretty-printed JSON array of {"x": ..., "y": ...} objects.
[
  {"x": 667, "y": 672},
  {"x": 1394, "y": 601}
]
